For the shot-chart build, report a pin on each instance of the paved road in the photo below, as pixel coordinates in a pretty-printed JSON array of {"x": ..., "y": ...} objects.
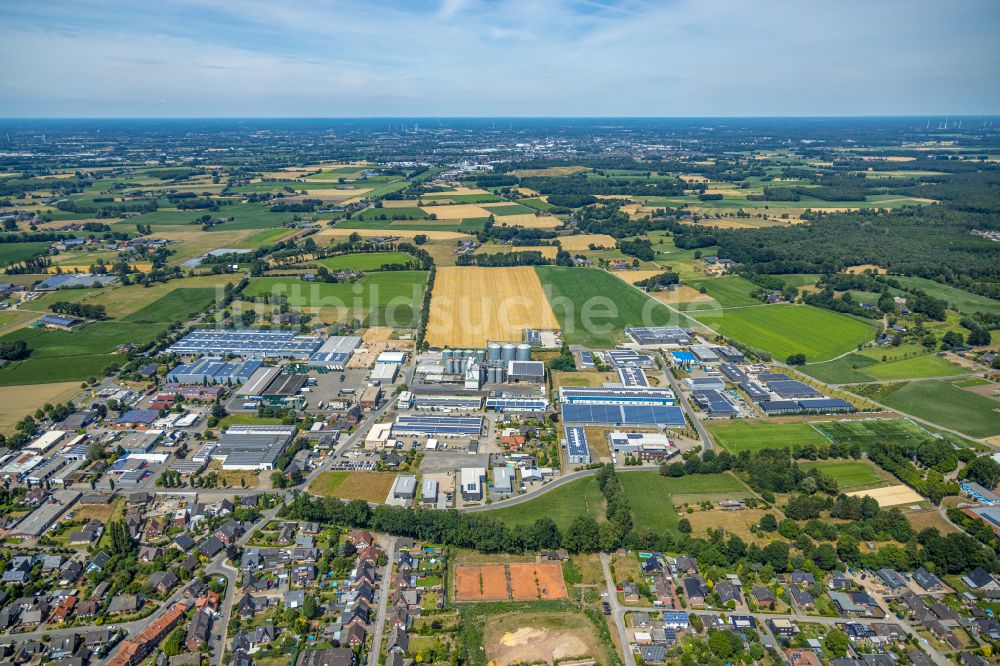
[
  {"x": 383, "y": 604},
  {"x": 706, "y": 439},
  {"x": 617, "y": 610}
]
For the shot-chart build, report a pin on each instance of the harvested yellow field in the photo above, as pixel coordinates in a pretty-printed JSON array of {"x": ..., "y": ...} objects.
[
  {"x": 527, "y": 191},
  {"x": 19, "y": 401},
  {"x": 636, "y": 276},
  {"x": 457, "y": 191},
  {"x": 527, "y": 221},
  {"x": 470, "y": 305},
  {"x": 320, "y": 194},
  {"x": 861, "y": 268},
  {"x": 335, "y": 233},
  {"x": 584, "y": 241},
  {"x": 140, "y": 266},
  {"x": 456, "y": 211},
  {"x": 891, "y": 495},
  {"x": 399, "y": 203}
]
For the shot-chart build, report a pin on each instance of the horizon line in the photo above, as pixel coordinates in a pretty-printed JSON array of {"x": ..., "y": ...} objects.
[{"x": 525, "y": 117}]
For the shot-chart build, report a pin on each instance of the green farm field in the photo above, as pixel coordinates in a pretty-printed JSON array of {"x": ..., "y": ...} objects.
[
  {"x": 728, "y": 291},
  {"x": 650, "y": 494},
  {"x": 367, "y": 261},
  {"x": 578, "y": 293},
  {"x": 581, "y": 497},
  {"x": 756, "y": 435},
  {"x": 963, "y": 301},
  {"x": 11, "y": 253},
  {"x": 860, "y": 368},
  {"x": 783, "y": 330},
  {"x": 948, "y": 406}
]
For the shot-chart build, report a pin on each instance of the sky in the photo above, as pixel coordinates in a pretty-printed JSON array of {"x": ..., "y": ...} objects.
[{"x": 411, "y": 58}]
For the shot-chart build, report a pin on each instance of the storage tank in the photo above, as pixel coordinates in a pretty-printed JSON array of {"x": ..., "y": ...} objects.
[
  {"x": 500, "y": 376},
  {"x": 507, "y": 352},
  {"x": 493, "y": 351},
  {"x": 470, "y": 353},
  {"x": 480, "y": 355},
  {"x": 450, "y": 366},
  {"x": 491, "y": 375},
  {"x": 524, "y": 352},
  {"x": 446, "y": 355}
]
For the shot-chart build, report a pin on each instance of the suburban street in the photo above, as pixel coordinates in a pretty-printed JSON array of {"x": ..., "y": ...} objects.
[{"x": 383, "y": 604}]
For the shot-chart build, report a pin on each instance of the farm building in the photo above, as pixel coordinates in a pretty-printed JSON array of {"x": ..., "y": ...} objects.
[
  {"x": 405, "y": 487},
  {"x": 632, "y": 377},
  {"x": 252, "y": 447},
  {"x": 577, "y": 449},
  {"x": 59, "y": 322},
  {"x": 438, "y": 426},
  {"x": 597, "y": 395},
  {"x": 659, "y": 335},
  {"x": 335, "y": 352},
  {"x": 623, "y": 415},
  {"x": 436, "y": 401},
  {"x": 213, "y": 370},
  {"x": 472, "y": 479},
  {"x": 247, "y": 344}
]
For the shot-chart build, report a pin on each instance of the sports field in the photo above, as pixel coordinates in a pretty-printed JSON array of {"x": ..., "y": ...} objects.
[
  {"x": 863, "y": 432},
  {"x": 847, "y": 473},
  {"x": 594, "y": 306},
  {"x": 470, "y": 305},
  {"x": 756, "y": 435},
  {"x": 581, "y": 497},
  {"x": 783, "y": 330},
  {"x": 948, "y": 406}
]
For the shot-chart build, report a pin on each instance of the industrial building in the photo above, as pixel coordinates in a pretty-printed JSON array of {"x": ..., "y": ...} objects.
[
  {"x": 979, "y": 493},
  {"x": 252, "y": 447},
  {"x": 142, "y": 441},
  {"x": 577, "y": 449},
  {"x": 669, "y": 416},
  {"x": 704, "y": 384},
  {"x": 733, "y": 373},
  {"x": 385, "y": 372},
  {"x": 632, "y": 377},
  {"x": 370, "y": 397},
  {"x": 258, "y": 381},
  {"x": 284, "y": 388},
  {"x": 526, "y": 371},
  {"x": 214, "y": 370},
  {"x": 504, "y": 403},
  {"x": 704, "y": 354},
  {"x": 429, "y": 491},
  {"x": 715, "y": 403},
  {"x": 610, "y": 395},
  {"x": 646, "y": 446},
  {"x": 628, "y": 358},
  {"x": 730, "y": 354},
  {"x": 659, "y": 335},
  {"x": 503, "y": 481},
  {"x": 397, "y": 357},
  {"x": 472, "y": 479},
  {"x": 46, "y": 441},
  {"x": 435, "y": 401},
  {"x": 814, "y": 406},
  {"x": 335, "y": 352},
  {"x": 405, "y": 487},
  {"x": 35, "y": 523},
  {"x": 247, "y": 344},
  {"x": 437, "y": 426},
  {"x": 789, "y": 389}
]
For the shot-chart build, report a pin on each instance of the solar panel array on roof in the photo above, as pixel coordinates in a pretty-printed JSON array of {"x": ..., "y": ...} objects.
[
  {"x": 632, "y": 377},
  {"x": 791, "y": 389},
  {"x": 213, "y": 370},
  {"x": 336, "y": 351},
  {"x": 247, "y": 343},
  {"x": 825, "y": 405},
  {"x": 587, "y": 359},
  {"x": 658, "y": 335},
  {"x": 780, "y": 407},
  {"x": 576, "y": 446},
  {"x": 138, "y": 416},
  {"x": 623, "y": 415},
  {"x": 715, "y": 403},
  {"x": 526, "y": 370},
  {"x": 408, "y": 424},
  {"x": 620, "y": 396},
  {"x": 532, "y": 337},
  {"x": 733, "y": 373},
  {"x": 517, "y": 404},
  {"x": 622, "y": 358},
  {"x": 773, "y": 377},
  {"x": 755, "y": 391}
]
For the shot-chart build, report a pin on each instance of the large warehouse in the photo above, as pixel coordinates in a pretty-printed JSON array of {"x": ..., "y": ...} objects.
[
  {"x": 437, "y": 426},
  {"x": 213, "y": 370},
  {"x": 659, "y": 335},
  {"x": 335, "y": 352},
  {"x": 247, "y": 344},
  {"x": 597, "y": 395},
  {"x": 437, "y": 401},
  {"x": 577, "y": 450},
  {"x": 621, "y": 415},
  {"x": 252, "y": 447}
]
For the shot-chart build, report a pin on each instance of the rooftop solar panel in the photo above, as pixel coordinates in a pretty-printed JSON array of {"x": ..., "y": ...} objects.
[{"x": 623, "y": 414}]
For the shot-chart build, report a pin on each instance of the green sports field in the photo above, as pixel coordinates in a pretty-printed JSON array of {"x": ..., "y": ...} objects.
[
  {"x": 594, "y": 307},
  {"x": 367, "y": 261},
  {"x": 848, "y": 474},
  {"x": 863, "y": 432},
  {"x": 948, "y": 406},
  {"x": 756, "y": 435},
  {"x": 783, "y": 330}
]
